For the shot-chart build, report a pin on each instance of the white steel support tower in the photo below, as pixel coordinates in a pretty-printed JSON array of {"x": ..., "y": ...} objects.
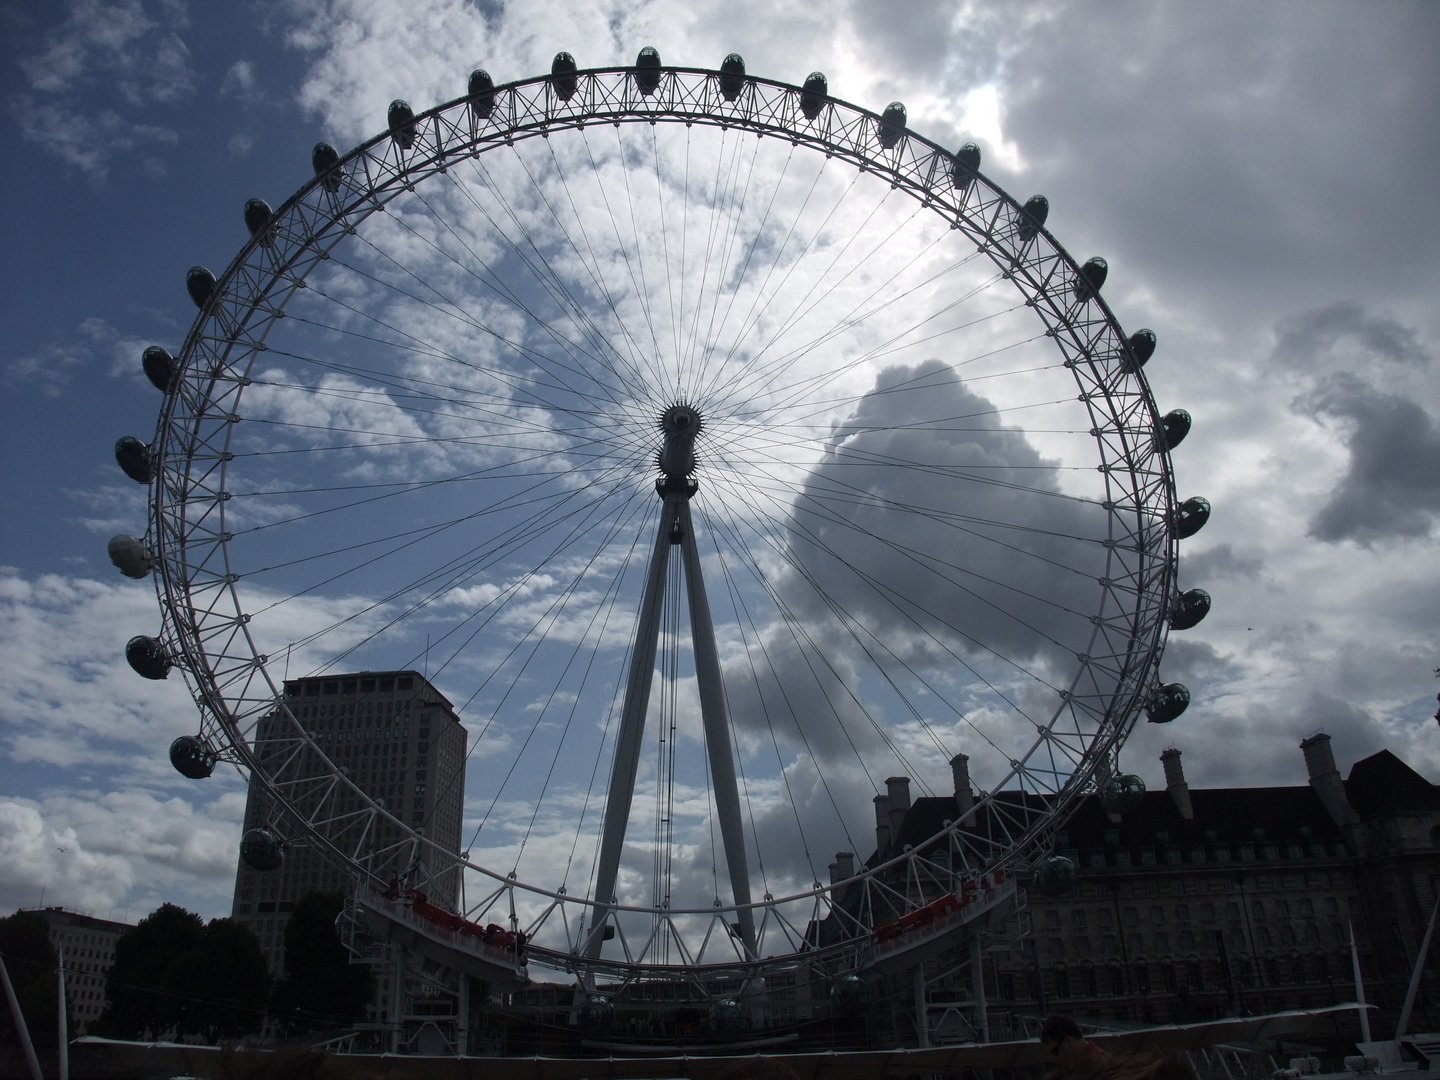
[{"x": 679, "y": 425}]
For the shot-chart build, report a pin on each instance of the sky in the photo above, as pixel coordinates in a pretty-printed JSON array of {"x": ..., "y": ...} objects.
[{"x": 1255, "y": 176}]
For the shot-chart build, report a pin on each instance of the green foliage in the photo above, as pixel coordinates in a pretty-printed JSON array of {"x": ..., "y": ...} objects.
[
  {"x": 175, "y": 976},
  {"x": 31, "y": 962},
  {"x": 321, "y": 988}
]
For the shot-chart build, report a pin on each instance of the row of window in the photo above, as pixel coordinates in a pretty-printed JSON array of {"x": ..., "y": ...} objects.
[
  {"x": 1187, "y": 941},
  {"x": 386, "y": 685},
  {"x": 1207, "y": 912},
  {"x": 1118, "y": 980}
]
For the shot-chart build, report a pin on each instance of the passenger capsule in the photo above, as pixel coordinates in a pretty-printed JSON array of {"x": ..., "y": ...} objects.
[
  {"x": 1032, "y": 217},
  {"x": 727, "y": 1017},
  {"x": 1191, "y": 606},
  {"x": 1121, "y": 794},
  {"x": 813, "y": 94},
  {"x": 1174, "y": 427},
  {"x": 1092, "y": 277},
  {"x": 260, "y": 849},
  {"x": 148, "y": 657},
  {"x": 257, "y": 215},
  {"x": 647, "y": 70},
  {"x": 732, "y": 76},
  {"x": 597, "y": 1015},
  {"x": 1190, "y": 518},
  {"x": 892, "y": 124},
  {"x": 200, "y": 284},
  {"x": 850, "y": 995},
  {"x": 133, "y": 456},
  {"x": 400, "y": 118},
  {"x": 1168, "y": 702},
  {"x": 965, "y": 165},
  {"x": 160, "y": 367},
  {"x": 130, "y": 556},
  {"x": 482, "y": 93},
  {"x": 1055, "y": 875},
  {"x": 192, "y": 758},
  {"x": 562, "y": 76},
  {"x": 1142, "y": 344},
  {"x": 325, "y": 160}
]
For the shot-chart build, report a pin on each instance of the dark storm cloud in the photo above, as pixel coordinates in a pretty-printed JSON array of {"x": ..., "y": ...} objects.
[
  {"x": 1250, "y": 152},
  {"x": 1391, "y": 486},
  {"x": 1215, "y": 564},
  {"x": 1346, "y": 333},
  {"x": 967, "y": 567}
]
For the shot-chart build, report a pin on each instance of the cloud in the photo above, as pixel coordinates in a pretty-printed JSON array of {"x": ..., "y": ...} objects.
[
  {"x": 57, "y": 363},
  {"x": 1346, "y": 335},
  {"x": 1391, "y": 485},
  {"x": 137, "y": 59}
]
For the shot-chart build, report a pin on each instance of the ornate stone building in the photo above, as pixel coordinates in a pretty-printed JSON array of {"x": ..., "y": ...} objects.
[{"x": 1206, "y": 903}]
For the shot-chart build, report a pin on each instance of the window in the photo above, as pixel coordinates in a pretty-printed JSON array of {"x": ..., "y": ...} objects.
[
  {"x": 1157, "y": 914},
  {"x": 1130, "y": 916},
  {"x": 1182, "y": 912},
  {"x": 1282, "y": 908},
  {"x": 1332, "y": 905},
  {"x": 1263, "y": 936},
  {"x": 1052, "y": 917},
  {"x": 1081, "y": 946},
  {"x": 1207, "y": 912},
  {"x": 1307, "y": 907},
  {"x": 1077, "y": 918},
  {"x": 1107, "y": 917},
  {"x": 1136, "y": 944},
  {"x": 1257, "y": 908},
  {"x": 1162, "y": 943},
  {"x": 1232, "y": 910},
  {"x": 1187, "y": 941},
  {"x": 1287, "y": 935},
  {"x": 1117, "y": 980},
  {"x": 1056, "y": 948},
  {"x": 1108, "y": 945}
]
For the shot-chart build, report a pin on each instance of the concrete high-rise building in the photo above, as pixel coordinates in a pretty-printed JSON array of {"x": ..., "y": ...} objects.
[
  {"x": 400, "y": 741},
  {"x": 87, "y": 947}
]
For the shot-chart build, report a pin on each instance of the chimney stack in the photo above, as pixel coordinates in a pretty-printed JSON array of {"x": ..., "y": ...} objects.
[
  {"x": 964, "y": 797},
  {"x": 882, "y": 823},
  {"x": 897, "y": 789},
  {"x": 843, "y": 867},
  {"x": 1325, "y": 780},
  {"x": 1175, "y": 783}
]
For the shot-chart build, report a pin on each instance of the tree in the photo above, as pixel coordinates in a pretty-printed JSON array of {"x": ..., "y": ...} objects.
[
  {"x": 173, "y": 975},
  {"x": 31, "y": 963},
  {"x": 138, "y": 1000},
  {"x": 321, "y": 987},
  {"x": 225, "y": 982}
]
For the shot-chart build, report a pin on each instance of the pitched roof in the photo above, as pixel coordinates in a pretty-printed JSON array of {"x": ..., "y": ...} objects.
[{"x": 1383, "y": 784}]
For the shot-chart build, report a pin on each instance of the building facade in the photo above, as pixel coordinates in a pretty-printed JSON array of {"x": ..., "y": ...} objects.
[
  {"x": 1207, "y": 903},
  {"x": 400, "y": 741},
  {"x": 86, "y": 947}
]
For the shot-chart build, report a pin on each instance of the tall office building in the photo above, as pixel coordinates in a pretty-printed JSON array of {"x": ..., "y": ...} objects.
[{"x": 400, "y": 741}]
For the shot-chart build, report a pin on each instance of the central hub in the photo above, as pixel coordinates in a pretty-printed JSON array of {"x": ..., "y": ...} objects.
[{"x": 679, "y": 424}]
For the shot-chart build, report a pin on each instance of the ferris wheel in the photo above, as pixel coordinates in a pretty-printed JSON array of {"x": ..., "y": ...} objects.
[{"x": 723, "y": 449}]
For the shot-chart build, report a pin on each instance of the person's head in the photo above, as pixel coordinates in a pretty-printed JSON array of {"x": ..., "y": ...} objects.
[{"x": 1055, "y": 1030}]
